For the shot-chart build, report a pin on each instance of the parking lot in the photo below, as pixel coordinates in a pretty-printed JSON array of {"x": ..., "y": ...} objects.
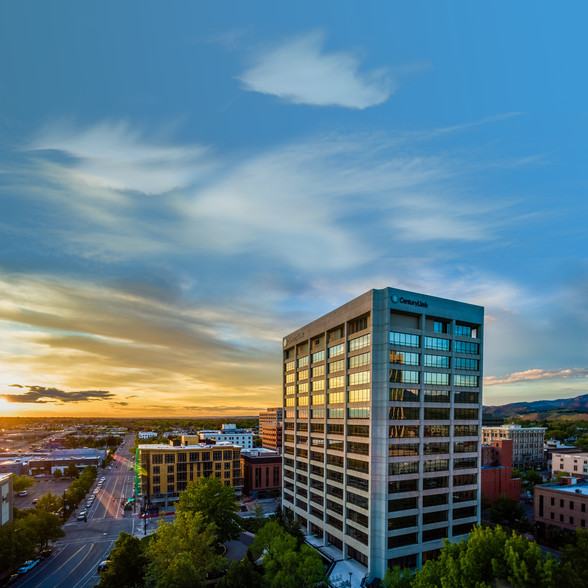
[{"x": 41, "y": 486}]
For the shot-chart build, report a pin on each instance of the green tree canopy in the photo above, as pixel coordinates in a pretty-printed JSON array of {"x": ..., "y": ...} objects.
[
  {"x": 182, "y": 553},
  {"x": 20, "y": 483},
  {"x": 509, "y": 514},
  {"x": 284, "y": 565},
  {"x": 216, "y": 503},
  {"x": 49, "y": 502},
  {"x": 487, "y": 557},
  {"x": 241, "y": 574},
  {"x": 127, "y": 566},
  {"x": 41, "y": 527},
  {"x": 574, "y": 561}
]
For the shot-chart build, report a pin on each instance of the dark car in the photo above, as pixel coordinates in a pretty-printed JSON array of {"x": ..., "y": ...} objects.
[{"x": 103, "y": 565}]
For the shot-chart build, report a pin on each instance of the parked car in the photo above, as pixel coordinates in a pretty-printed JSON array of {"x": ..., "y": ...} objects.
[
  {"x": 27, "y": 566},
  {"x": 103, "y": 565},
  {"x": 23, "y": 493},
  {"x": 45, "y": 553}
]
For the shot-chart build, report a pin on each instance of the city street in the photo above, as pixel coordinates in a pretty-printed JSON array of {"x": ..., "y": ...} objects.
[{"x": 75, "y": 558}]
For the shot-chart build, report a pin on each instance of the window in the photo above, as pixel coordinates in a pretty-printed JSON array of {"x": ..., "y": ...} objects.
[
  {"x": 404, "y": 395},
  {"x": 318, "y": 371},
  {"x": 157, "y": 458},
  {"x": 337, "y": 366},
  {"x": 403, "y": 503},
  {"x": 303, "y": 361},
  {"x": 404, "y": 358},
  {"x": 317, "y": 399},
  {"x": 437, "y": 482},
  {"x": 466, "y": 397},
  {"x": 466, "y": 347},
  {"x": 404, "y": 376},
  {"x": 335, "y": 429},
  {"x": 465, "y": 414},
  {"x": 437, "y": 396},
  {"x": 465, "y": 479},
  {"x": 411, "y": 449},
  {"x": 436, "y": 465},
  {"x": 403, "y": 431},
  {"x": 359, "y": 378},
  {"x": 465, "y": 447},
  {"x": 357, "y": 483},
  {"x": 358, "y": 413},
  {"x": 170, "y": 469},
  {"x": 302, "y": 401},
  {"x": 336, "y": 382},
  {"x": 170, "y": 458},
  {"x": 290, "y": 378},
  {"x": 156, "y": 469},
  {"x": 465, "y": 363},
  {"x": 404, "y": 339},
  {"x": 464, "y": 463},
  {"x": 358, "y": 324},
  {"x": 435, "y": 448},
  {"x": 362, "y": 395},
  {"x": 439, "y": 327},
  {"x": 436, "y": 431},
  {"x": 402, "y": 540},
  {"x": 336, "y": 397},
  {"x": 336, "y": 413},
  {"x": 318, "y": 356},
  {"x": 437, "y": 343},
  {"x": 358, "y": 430},
  {"x": 303, "y": 375},
  {"x": 403, "y": 467},
  {"x": 358, "y": 500},
  {"x": 398, "y": 413},
  {"x": 398, "y": 486},
  {"x": 290, "y": 366},
  {"x": 360, "y": 342},
  {"x": 336, "y": 350},
  {"x": 465, "y": 430},
  {"x": 436, "y": 361},
  {"x": 465, "y": 331},
  {"x": 359, "y": 360},
  {"x": 437, "y": 379},
  {"x": 357, "y": 517},
  {"x": 439, "y": 516},
  {"x": 435, "y": 500},
  {"x": 317, "y": 385},
  {"x": 358, "y": 465},
  {"x": 402, "y": 523},
  {"x": 436, "y": 414}
]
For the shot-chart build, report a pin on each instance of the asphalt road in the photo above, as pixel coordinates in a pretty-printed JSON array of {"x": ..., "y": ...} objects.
[{"x": 75, "y": 558}]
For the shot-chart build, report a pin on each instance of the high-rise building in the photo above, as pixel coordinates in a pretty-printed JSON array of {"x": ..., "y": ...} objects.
[
  {"x": 6, "y": 505},
  {"x": 528, "y": 443},
  {"x": 382, "y": 415},
  {"x": 270, "y": 428}
]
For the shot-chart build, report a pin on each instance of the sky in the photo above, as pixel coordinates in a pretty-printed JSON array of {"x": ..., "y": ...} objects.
[{"x": 184, "y": 183}]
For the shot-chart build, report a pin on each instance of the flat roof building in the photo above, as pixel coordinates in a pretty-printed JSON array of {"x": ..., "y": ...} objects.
[
  {"x": 573, "y": 464},
  {"x": 562, "y": 504},
  {"x": 167, "y": 469},
  {"x": 528, "y": 443},
  {"x": 382, "y": 414},
  {"x": 229, "y": 433},
  {"x": 270, "y": 428}
]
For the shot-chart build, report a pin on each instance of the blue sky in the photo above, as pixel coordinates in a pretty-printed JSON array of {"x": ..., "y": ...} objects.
[{"x": 182, "y": 185}]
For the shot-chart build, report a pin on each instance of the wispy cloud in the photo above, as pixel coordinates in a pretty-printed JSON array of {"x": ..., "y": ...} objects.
[
  {"x": 42, "y": 395},
  {"x": 536, "y": 374},
  {"x": 300, "y": 71}
]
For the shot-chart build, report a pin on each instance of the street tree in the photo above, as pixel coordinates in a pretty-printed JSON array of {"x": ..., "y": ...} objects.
[
  {"x": 574, "y": 561},
  {"x": 15, "y": 547},
  {"x": 397, "y": 578},
  {"x": 71, "y": 471},
  {"x": 488, "y": 557},
  {"x": 127, "y": 566},
  {"x": 509, "y": 514},
  {"x": 216, "y": 503},
  {"x": 57, "y": 473},
  {"x": 182, "y": 554},
  {"x": 49, "y": 503},
  {"x": 20, "y": 483},
  {"x": 41, "y": 527},
  {"x": 241, "y": 574},
  {"x": 285, "y": 564}
]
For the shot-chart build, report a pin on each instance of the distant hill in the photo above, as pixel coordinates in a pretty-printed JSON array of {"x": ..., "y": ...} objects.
[{"x": 576, "y": 408}]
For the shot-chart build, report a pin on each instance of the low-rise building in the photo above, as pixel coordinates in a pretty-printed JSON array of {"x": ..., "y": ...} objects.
[
  {"x": 5, "y": 498},
  {"x": 147, "y": 434},
  {"x": 262, "y": 472},
  {"x": 528, "y": 443},
  {"x": 562, "y": 504},
  {"x": 497, "y": 477},
  {"x": 166, "y": 469},
  {"x": 573, "y": 464},
  {"x": 229, "y": 433}
]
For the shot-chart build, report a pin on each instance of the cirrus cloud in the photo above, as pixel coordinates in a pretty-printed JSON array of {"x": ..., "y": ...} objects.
[{"x": 301, "y": 72}]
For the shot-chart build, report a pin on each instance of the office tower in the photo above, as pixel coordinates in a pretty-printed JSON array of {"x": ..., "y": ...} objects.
[
  {"x": 270, "y": 428},
  {"x": 382, "y": 415}
]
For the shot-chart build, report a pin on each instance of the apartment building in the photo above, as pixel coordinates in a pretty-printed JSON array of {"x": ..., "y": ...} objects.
[
  {"x": 270, "y": 428},
  {"x": 262, "y": 472},
  {"x": 562, "y": 504},
  {"x": 496, "y": 472},
  {"x": 574, "y": 464},
  {"x": 528, "y": 443},
  {"x": 382, "y": 414},
  {"x": 167, "y": 469}
]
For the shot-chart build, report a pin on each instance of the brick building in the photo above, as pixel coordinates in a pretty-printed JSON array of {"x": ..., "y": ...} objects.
[
  {"x": 262, "y": 472},
  {"x": 270, "y": 428},
  {"x": 562, "y": 504},
  {"x": 496, "y": 476}
]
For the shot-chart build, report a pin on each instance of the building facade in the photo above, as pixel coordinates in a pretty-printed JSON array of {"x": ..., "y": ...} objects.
[
  {"x": 270, "y": 428},
  {"x": 527, "y": 442},
  {"x": 262, "y": 472},
  {"x": 382, "y": 413},
  {"x": 6, "y": 502},
  {"x": 496, "y": 472},
  {"x": 563, "y": 504},
  {"x": 573, "y": 464},
  {"x": 167, "y": 469},
  {"x": 229, "y": 433}
]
